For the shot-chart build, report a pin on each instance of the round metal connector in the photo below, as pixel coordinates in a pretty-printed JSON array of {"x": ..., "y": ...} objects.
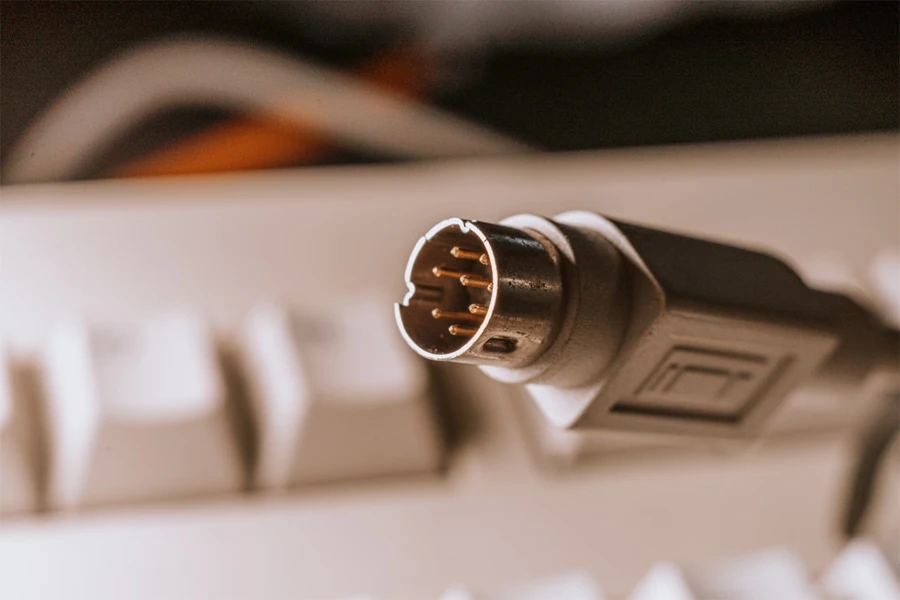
[{"x": 481, "y": 293}]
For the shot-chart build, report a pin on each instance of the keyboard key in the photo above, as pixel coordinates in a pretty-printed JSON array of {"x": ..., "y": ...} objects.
[
  {"x": 137, "y": 413},
  {"x": 18, "y": 490},
  {"x": 884, "y": 282},
  {"x": 336, "y": 396},
  {"x": 764, "y": 576},
  {"x": 860, "y": 572},
  {"x": 569, "y": 586}
]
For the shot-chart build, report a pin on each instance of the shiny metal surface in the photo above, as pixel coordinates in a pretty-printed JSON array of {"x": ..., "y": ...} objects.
[{"x": 481, "y": 293}]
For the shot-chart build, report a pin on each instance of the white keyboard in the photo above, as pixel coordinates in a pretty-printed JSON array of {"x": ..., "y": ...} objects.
[{"x": 203, "y": 394}]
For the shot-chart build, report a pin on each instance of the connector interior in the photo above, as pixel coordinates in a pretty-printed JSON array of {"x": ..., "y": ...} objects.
[{"x": 451, "y": 283}]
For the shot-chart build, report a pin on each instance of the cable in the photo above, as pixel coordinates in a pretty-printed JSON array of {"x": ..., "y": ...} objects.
[
  {"x": 611, "y": 325},
  {"x": 250, "y": 142},
  {"x": 238, "y": 76}
]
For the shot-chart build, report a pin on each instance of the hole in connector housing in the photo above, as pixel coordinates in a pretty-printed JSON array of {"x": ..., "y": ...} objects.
[{"x": 499, "y": 345}]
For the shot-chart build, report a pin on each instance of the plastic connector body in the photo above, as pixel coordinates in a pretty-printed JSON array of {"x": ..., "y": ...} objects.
[{"x": 616, "y": 326}]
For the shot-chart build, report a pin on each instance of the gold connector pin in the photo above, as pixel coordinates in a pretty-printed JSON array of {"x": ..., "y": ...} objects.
[
  {"x": 442, "y": 272},
  {"x": 475, "y": 281},
  {"x": 478, "y": 309},
  {"x": 446, "y": 314},
  {"x": 459, "y": 330},
  {"x": 458, "y": 252},
  {"x": 481, "y": 257}
]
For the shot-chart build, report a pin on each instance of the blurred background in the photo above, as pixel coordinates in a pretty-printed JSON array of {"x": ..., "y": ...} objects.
[
  {"x": 205, "y": 212},
  {"x": 557, "y": 76}
]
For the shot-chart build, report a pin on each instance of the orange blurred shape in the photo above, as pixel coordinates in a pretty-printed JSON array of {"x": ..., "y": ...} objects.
[
  {"x": 258, "y": 142},
  {"x": 245, "y": 143}
]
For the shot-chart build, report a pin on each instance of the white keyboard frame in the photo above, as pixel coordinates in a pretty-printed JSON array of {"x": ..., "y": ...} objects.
[{"x": 119, "y": 250}]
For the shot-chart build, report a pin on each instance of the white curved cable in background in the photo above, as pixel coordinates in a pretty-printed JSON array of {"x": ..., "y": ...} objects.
[{"x": 238, "y": 76}]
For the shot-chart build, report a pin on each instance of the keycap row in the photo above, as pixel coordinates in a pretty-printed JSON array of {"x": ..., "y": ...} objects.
[
  {"x": 859, "y": 572},
  {"x": 146, "y": 411}
]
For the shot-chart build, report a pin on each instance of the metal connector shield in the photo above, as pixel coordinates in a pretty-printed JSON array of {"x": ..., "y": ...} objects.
[{"x": 481, "y": 293}]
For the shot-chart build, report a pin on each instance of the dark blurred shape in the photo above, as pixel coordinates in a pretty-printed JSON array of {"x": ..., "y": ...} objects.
[
  {"x": 873, "y": 445},
  {"x": 829, "y": 71},
  {"x": 692, "y": 72}
]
